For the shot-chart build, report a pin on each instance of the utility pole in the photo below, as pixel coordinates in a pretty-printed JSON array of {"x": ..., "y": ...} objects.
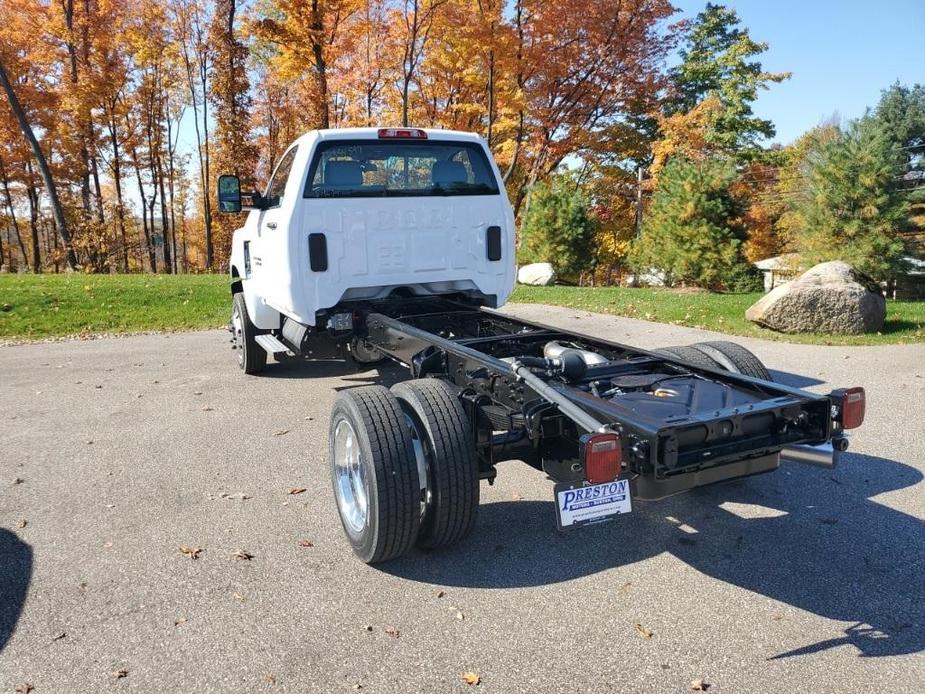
[{"x": 639, "y": 174}]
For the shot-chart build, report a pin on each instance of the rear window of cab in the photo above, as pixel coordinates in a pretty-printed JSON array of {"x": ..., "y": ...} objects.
[{"x": 377, "y": 168}]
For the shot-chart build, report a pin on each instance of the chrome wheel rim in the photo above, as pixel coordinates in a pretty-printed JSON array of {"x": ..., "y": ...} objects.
[
  {"x": 237, "y": 332},
  {"x": 350, "y": 483},
  {"x": 422, "y": 457}
]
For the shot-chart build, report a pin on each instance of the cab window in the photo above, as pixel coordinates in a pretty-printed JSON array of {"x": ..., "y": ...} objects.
[
  {"x": 277, "y": 186},
  {"x": 386, "y": 168}
]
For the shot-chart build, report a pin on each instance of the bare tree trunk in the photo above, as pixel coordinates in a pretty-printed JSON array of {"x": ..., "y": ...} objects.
[
  {"x": 56, "y": 208},
  {"x": 117, "y": 180},
  {"x": 171, "y": 175},
  {"x": 321, "y": 68},
  {"x": 9, "y": 203},
  {"x": 152, "y": 257},
  {"x": 34, "y": 224}
]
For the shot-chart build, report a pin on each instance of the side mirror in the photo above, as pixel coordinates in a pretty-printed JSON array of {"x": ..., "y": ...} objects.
[{"x": 229, "y": 194}]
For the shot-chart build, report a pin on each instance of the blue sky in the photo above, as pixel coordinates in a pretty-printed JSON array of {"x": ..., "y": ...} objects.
[{"x": 841, "y": 54}]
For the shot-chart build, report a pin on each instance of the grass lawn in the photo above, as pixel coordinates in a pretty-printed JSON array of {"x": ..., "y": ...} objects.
[
  {"x": 43, "y": 306},
  {"x": 905, "y": 321}
]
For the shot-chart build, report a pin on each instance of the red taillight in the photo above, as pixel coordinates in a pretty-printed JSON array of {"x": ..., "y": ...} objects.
[
  {"x": 603, "y": 458},
  {"x": 853, "y": 404},
  {"x": 402, "y": 133}
]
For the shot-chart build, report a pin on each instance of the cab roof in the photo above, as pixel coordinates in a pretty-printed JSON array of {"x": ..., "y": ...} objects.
[{"x": 373, "y": 134}]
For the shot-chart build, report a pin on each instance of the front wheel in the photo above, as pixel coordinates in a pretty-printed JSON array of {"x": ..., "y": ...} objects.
[{"x": 252, "y": 358}]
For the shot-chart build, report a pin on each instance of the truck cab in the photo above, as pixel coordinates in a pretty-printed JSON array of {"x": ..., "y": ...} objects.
[{"x": 354, "y": 215}]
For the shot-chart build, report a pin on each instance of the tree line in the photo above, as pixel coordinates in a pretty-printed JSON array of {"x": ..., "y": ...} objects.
[{"x": 574, "y": 99}]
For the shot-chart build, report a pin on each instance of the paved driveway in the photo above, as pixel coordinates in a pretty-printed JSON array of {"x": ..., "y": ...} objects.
[{"x": 803, "y": 580}]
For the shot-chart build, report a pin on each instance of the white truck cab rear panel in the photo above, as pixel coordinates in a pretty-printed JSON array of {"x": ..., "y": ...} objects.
[{"x": 429, "y": 243}]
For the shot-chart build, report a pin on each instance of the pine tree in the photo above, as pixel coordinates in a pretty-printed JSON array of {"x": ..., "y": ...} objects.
[
  {"x": 716, "y": 62},
  {"x": 693, "y": 233},
  {"x": 558, "y": 228},
  {"x": 851, "y": 208}
]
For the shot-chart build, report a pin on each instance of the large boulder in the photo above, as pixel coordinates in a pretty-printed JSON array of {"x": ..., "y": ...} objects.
[
  {"x": 831, "y": 297},
  {"x": 539, "y": 274}
]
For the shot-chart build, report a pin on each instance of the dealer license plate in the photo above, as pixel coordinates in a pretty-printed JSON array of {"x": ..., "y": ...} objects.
[{"x": 581, "y": 505}]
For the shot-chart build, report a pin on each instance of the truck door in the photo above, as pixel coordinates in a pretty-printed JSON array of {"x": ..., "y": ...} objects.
[{"x": 271, "y": 237}]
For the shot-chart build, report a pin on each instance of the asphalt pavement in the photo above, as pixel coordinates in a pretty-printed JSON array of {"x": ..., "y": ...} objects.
[{"x": 116, "y": 453}]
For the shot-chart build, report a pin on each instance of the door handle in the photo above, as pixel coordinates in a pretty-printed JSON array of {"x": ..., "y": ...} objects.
[{"x": 271, "y": 225}]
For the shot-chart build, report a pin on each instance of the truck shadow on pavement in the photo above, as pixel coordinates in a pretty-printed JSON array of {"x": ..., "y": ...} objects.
[
  {"x": 808, "y": 537},
  {"x": 15, "y": 574},
  {"x": 385, "y": 373}
]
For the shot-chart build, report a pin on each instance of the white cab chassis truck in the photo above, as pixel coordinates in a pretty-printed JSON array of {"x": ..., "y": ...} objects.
[{"x": 397, "y": 243}]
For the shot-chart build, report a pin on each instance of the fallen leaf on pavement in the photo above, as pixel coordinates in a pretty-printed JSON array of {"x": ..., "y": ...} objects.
[
  {"x": 22, "y": 523},
  {"x": 238, "y": 596},
  {"x": 270, "y": 678},
  {"x": 699, "y": 685},
  {"x": 626, "y": 586},
  {"x": 18, "y": 480},
  {"x": 120, "y": 673},
  {"x": 471, "y": 678},
  {"x": 393, "y": 632},
  {"x": 441, "y": 593},
  {"x": 191, "y": 552},
  {"x": 242, "y": 554},
  {"x": 24, "y": 688},
  {"x": 206, "y": 409},
  {"x": 197, "y": 392},
  {"x": 460, "y": 616},
  {"x": 296, "y": 490},
  {"x": 643, "y": 632},
  {"x": 60, "y": 635},
  {"x": 306, "y": 543},
  {"x": 178, "y": 621},
  {"x": 516, "y": 497},
  {"x": 281, "y": 432}
]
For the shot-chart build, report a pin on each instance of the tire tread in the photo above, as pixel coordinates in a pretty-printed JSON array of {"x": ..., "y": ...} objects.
[{"x": 456, "y": 479}]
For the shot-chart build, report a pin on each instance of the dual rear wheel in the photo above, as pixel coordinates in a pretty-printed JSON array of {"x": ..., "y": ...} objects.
[
  {"x": 404, "y": 468},
  {"x": 719, "y": 354}
]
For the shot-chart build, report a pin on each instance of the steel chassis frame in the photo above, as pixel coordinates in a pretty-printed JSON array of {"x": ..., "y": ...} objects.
[{"x": 539, "y": 418}]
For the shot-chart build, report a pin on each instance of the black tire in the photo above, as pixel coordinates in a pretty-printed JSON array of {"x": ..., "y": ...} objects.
[
  {"x": 386, "y": 457},
  {"x": 735, "y": 358},
  {"x": 252, "y": 358},
  {"x": 450, "y": 500},
  {"x": 689, "y": 355}
]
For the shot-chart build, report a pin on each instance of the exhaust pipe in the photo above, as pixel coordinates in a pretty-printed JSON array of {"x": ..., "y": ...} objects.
[{"x": 825, "y": 455}]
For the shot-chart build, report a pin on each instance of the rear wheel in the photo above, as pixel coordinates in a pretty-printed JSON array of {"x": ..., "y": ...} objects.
[
  {"x": 447, "y": 464},
  {"x": 374, "y": 472},
  {"x": 689, "y": 355},
  {"x": 252, "y": 358},
  {"x": 733, "y": 357}
]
